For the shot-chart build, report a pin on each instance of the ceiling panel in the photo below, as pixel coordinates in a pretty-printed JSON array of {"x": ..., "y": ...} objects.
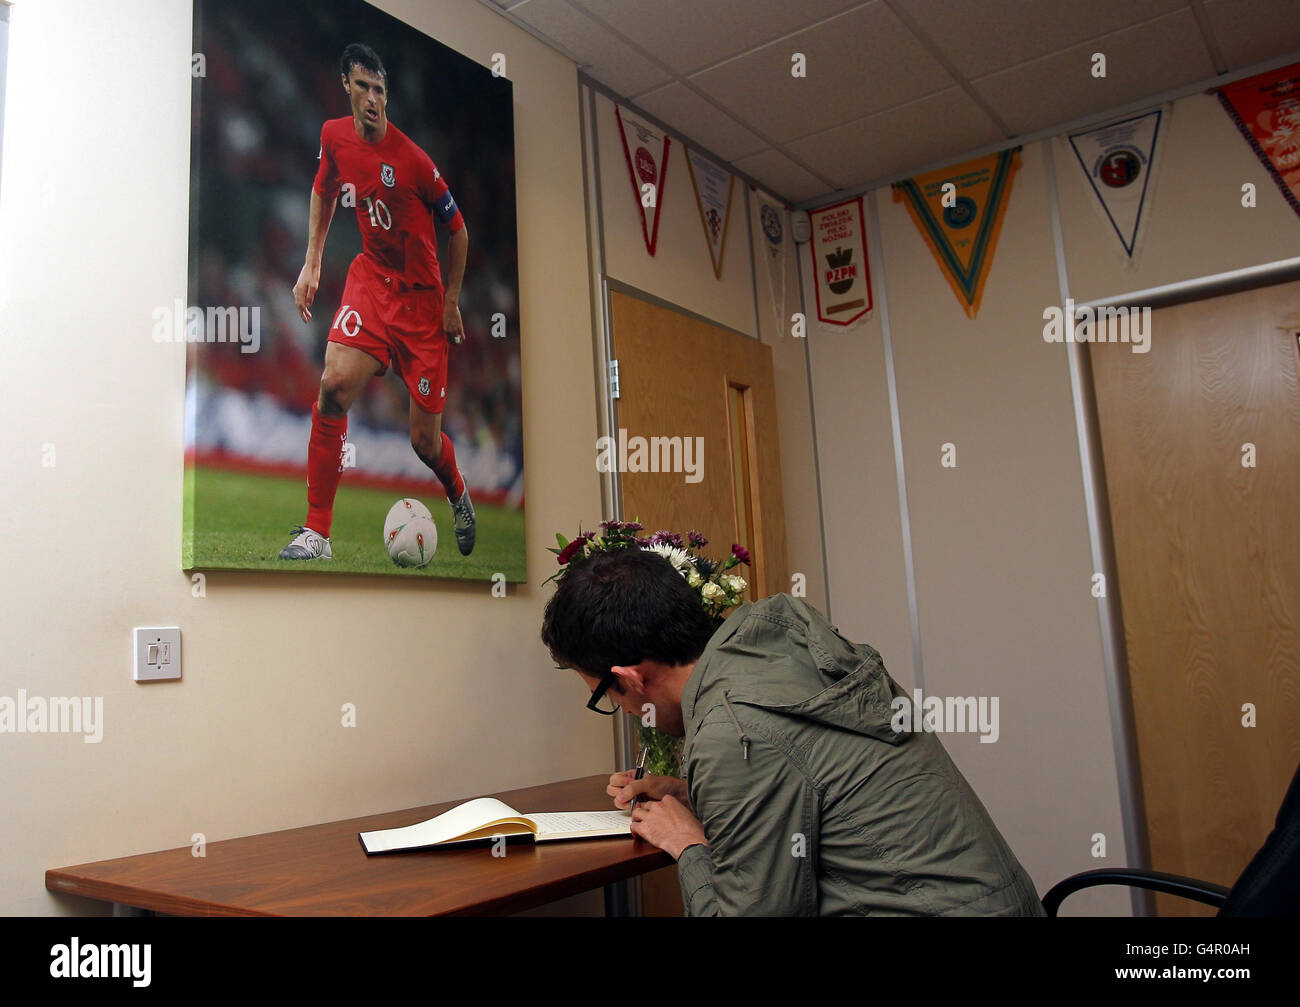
[
  {"x": 894, "y": 85},
  {"x": 713, "y": 31},
  {"x": 1251, "y": 31},
  {"x": 898, "y": 139},
  {"x": 981, "y": 36},
  {"x": 695, "y": 116},
  {"x": 604, "y": 56},
  {"x": 858, "y": 63},
  {"x": 1141, "y": 61},
  {"x": 782, "y": 176}
]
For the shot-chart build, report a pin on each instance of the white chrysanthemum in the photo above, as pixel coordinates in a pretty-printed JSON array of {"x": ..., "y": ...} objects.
[{"x": 679, "y": 558}]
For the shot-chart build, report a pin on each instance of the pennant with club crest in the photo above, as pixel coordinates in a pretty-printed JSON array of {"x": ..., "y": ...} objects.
[
  {"x": 1119, "y": 161},
  {"x": 959, "y": 211},
  {"x": 713, "y": 187},
  {"x": 1266, "y": 109},
  {"x": 646, "y": 150},
  {"x": 772, "y": 224},
  {"x": 839, "y": 251}
]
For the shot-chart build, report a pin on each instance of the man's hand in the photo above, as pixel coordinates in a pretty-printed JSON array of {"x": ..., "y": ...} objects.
[
  {"x": 623, "y": 787},
  {"x": 667, "y": 824},
  {"x": 451, "y": 323},
  {"x": 304, "y": 291}
]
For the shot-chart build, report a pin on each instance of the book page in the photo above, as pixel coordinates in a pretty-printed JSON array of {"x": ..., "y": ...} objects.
[
  {"x": 464, "y": 819},
  {"x": 594, "y": 823}
]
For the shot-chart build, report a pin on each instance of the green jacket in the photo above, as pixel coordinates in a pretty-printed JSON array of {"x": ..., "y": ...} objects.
[{"x": 811, "y": 802}]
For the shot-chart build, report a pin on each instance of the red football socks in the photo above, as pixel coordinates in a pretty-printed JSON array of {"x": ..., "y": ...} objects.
[
  {"x": 447, "y": 472},
  {"x": 329, "y": 435}
]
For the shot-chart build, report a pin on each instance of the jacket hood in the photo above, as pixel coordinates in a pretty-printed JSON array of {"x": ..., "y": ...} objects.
[{"x": 780, "y": 654}]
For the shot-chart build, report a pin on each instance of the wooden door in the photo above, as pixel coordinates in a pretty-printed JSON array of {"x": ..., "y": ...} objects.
[
  {"x": 683, "y": 377},
  {"x": 1208, "y": 554}
]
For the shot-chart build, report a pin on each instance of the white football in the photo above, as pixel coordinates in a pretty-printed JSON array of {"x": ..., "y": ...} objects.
[
  {"x": 400, "y": 513},
  {"x": 414, "y": 542}
]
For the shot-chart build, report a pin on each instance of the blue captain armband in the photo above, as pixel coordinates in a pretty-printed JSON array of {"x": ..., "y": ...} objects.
[{"x": 446, "y": 208}]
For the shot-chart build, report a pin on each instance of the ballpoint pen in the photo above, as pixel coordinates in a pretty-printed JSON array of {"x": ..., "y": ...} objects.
[{"x": 640, "y": 772}]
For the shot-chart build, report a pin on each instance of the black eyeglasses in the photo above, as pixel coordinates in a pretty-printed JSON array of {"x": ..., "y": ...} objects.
[{"x": 606, "y": 681}]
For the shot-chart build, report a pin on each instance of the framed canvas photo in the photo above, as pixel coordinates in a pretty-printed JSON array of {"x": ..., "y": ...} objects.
[{"x": 353, "y": 376}]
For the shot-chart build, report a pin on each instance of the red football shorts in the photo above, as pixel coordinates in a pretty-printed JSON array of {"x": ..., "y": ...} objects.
[{"x": 399, "y": 325}]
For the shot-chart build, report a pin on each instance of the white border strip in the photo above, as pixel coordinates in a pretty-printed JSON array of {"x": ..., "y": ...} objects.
[
  {"x": 1113, "y": 653},
  {"x": 904, "y": 515}
]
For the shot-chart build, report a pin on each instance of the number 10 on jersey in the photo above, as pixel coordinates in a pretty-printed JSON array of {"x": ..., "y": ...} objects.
[{"x": 379, "y": 215}]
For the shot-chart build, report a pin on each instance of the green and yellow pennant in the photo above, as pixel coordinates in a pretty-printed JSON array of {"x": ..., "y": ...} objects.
[{"x": 961, "y": 223}]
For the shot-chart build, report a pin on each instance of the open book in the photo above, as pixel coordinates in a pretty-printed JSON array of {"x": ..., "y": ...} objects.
[{"x": 487, "y": 817}]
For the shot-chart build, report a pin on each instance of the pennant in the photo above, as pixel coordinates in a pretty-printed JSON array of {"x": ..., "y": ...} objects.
[
  {"x": 1266, "y": 109},
  {"x": 1119, "y": 162},
  {"x": 839, "y": 252},
  {"x": 771, "y": 217},
  {"x": 961, "y": 223},
  {"x": 713, "y": 185},
  {"x": 646, "y": 150}
]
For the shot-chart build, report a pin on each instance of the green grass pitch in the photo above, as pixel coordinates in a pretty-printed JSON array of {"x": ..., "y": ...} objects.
[{"x": 242, "y": 521}]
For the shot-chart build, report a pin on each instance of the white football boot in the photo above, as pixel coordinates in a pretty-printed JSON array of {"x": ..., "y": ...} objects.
[{"x": 307, "y": 544}]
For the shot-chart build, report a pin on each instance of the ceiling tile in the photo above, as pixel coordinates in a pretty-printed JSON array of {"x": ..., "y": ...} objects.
[
  {"x": 1252, "y": 31},
  {"x": 782, "y": 176},
  {"x": 858, "y": 63},
  {"x": 1141, "y": 61},
  {"x": 678, "y": 34},
  {"x": 601, "y": 54},
  {"x": 686, "y": 111},
  {"x": 899, "y": 139},
  {"x": 979, "y": 36}
]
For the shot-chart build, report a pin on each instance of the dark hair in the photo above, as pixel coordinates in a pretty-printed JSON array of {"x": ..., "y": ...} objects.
[
  {"x": 621, "y": 608},
  {"x": 357, "y": 54}
]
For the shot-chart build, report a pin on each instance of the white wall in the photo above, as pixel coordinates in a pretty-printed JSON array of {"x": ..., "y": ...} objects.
[{"x": 454, "y": 691}]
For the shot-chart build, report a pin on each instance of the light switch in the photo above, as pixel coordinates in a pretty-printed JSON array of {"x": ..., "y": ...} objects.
[{"x": 156, "y": 653}]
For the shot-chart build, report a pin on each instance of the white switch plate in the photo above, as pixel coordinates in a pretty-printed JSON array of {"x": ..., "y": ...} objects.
[{"x": 156, "y": 653}]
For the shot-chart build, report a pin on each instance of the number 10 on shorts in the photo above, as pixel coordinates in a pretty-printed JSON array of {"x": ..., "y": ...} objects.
[{"x": 347, "y": 321}]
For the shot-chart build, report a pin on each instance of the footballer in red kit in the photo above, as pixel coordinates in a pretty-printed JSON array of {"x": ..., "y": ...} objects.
[{"x": 397, "y": 311}]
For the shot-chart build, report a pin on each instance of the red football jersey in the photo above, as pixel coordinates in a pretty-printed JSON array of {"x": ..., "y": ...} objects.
[{"x": 397, "y": 189}]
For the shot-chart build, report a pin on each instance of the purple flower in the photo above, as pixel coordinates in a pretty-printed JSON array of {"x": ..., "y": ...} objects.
[
  {"x": 696, "y": 539},
  {"x": 740, "y": 552}
]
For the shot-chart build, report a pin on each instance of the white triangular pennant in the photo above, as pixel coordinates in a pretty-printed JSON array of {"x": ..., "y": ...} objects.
[
  {"x": 1119, "y": 159},
  {"x": 646, "y": 150},
  {"x": 713, "y": 187},
  {"x": 772, "y": 225}
]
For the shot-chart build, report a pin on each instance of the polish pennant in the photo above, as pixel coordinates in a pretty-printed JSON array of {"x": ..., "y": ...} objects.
[
  {"x": 713, "y": 186},
  {"x": 1119, "y": 161},
  {"x": 646, "y": 150},
  {"x": 839, "y": 252},
  {"x": 1266, "y": 109}
]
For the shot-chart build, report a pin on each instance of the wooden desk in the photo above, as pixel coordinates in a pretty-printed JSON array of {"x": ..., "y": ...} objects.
[{"x": 321, "y": 870}]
